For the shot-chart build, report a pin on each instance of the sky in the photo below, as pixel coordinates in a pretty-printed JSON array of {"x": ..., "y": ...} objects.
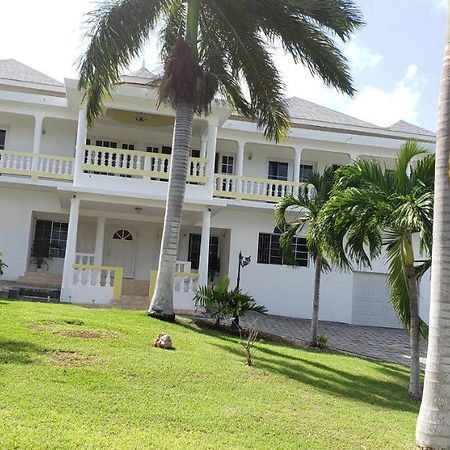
[{"x": 395, "y": 59}]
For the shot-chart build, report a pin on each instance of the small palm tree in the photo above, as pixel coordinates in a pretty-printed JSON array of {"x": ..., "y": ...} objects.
[
  {"x": 211, "y": 46},
  {"x": 372, "y": 208},
  {"x": 307, "y": 205},
  {"x": 433, "y": 426}
]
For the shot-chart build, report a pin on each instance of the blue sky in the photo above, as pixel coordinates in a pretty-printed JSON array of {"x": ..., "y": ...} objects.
[{"x": 395, "y": 59}]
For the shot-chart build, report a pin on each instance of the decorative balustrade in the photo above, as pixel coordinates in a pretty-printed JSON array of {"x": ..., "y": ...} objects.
[
  {"x": 138, "y": 164},
  {"x": 96, "y": 284},
  {"x": 85, "y": 258},
  {"x": 36, "y": 165},
  {"x": 251, "y": 188}
]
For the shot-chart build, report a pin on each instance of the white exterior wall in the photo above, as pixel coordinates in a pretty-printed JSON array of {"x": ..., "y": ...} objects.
[
  {"x": 58, "y": 137},
  {"x": 16, "y": 225},
  {"x": 19, "y": 131}
]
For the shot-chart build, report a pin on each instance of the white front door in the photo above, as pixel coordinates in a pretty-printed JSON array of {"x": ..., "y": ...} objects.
[{"x": 121, "y": 250}]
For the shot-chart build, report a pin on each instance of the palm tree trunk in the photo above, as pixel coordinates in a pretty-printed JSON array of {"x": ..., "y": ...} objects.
[
  {"x": 161, "y": 305},
  {"x": 316, "y": 298},
  {"x": 433, "y": 426},
  {"x": 414, "y": 390}
]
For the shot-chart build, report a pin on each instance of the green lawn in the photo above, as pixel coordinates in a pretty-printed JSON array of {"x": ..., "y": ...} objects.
[{"x": 72, "y": 377}]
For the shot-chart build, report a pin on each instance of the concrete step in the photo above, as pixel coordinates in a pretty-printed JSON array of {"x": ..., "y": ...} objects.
[
  {"x": 134, "y": 302},
  {"x": 41, "y": 279},
  {"x": 135, "y": 287}
]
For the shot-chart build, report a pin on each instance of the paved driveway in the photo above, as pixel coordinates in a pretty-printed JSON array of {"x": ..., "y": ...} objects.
[{"x": 386, "y": 344}]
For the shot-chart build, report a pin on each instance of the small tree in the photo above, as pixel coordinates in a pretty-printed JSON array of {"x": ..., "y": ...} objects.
[
  {"x": 307, "y": 206},
  {"x": 3, "y": 265},
  {"x": 373, "y": 208}
]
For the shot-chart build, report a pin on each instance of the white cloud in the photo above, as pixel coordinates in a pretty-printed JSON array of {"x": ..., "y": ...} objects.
[{"x": 360, "y": 57}]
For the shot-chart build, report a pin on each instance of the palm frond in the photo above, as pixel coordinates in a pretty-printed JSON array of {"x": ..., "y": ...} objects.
[{"x": 117, "y": 31}]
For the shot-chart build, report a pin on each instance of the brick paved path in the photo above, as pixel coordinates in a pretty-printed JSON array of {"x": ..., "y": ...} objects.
[{"x": 386, "y": 344}]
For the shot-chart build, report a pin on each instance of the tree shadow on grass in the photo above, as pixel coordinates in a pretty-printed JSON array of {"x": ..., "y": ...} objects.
[
  {"x": 18, "y": 352},
  {"x": 381, "y": 393},
  {"x": 390, "y": 393},
  {"x": 3, "y": 303}
]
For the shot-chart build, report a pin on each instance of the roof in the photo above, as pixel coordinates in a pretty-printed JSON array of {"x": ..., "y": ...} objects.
[
  {"x": 303, "y": 109},
  {"x": 406, "y": 127},
  {"x": 141, "y": 76},
  {"x": 13, "y": 70}
]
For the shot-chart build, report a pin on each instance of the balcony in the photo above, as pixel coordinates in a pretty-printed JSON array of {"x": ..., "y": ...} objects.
[{"x": 36, "y": 166}]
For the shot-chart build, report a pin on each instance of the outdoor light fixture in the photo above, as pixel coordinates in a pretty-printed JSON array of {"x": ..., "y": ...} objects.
[
  {"x": 140, "y": 117},
  {"x": 243, "y": 262}
]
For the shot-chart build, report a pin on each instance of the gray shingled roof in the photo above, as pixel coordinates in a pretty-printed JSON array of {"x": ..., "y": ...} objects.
[
  {"x": 303, "y": 109},
  {"x": 406, "y": 127},
  {"x": 13, "y": 70},
  {"x": 141, "y": 76}
]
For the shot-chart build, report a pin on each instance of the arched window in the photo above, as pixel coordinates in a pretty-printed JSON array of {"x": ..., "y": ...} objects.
[{"x": 123, "y": 235}]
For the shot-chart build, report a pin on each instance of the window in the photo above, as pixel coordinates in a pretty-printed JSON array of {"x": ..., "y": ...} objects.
[
  {"x": 127, "y": 146},
  {"x": 269, "y": 251},
  {"x": 50, "y": 237},
  {"x": 305, "y": 172},
  {"x": 227, "y": 164},
  {"x": 2, "y": 139},
  {"x": 122, "y": 235},
  {"x": 194, "y": 252},
  {"x": 278, "y": 170},
  {"x": 195, "y": 153}
]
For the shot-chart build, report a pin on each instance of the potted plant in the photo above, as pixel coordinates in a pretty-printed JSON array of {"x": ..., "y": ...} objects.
[{"x": 40, "y": 253}]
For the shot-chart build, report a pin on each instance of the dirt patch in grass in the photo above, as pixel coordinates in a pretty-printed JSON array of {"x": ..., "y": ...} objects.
[
  {"x": 87, "y": 334},
  {"x": 69, "y": 358}
]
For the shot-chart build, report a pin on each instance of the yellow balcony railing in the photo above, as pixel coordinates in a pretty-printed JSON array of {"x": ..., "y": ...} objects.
[
  {"x": 132, "y": 163},
  {"x": 36, "y": 165}
]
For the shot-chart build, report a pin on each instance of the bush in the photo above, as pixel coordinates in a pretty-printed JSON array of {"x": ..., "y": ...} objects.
[
  {"x": 322, "y": 341},
  {"x": 220, "y": 302}
]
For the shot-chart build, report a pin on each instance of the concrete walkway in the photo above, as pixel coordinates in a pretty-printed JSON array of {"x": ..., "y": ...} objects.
[{"x": 386, "y": 344}]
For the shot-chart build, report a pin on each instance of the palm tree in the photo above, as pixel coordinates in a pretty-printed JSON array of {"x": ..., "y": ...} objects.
[
  {"x": 433, "y": 426},
  {"x": 308, "y": 206},
  {"x": 211, "y": 46},
  {"x": 372, "y": 208}
]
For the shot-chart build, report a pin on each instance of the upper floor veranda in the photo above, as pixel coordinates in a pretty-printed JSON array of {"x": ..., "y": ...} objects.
[{"x": 44, "y": 141}]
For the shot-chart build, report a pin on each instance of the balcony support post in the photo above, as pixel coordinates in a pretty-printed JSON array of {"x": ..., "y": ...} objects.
[
  {"x": 99, "y": 240},
  {"x": 204, "y": 248},
  {"x": 211, "y": 154},
  {"x": 297, "y": 162},
  {"x": 71, "y": 245},
  {"x": 37, "y": 139},
  {"x": 240, "y": 165},
  {"x": 80, "y": 146}
]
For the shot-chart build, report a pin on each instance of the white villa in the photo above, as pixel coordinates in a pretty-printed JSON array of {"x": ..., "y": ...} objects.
[{"x": 93, "y": 199}]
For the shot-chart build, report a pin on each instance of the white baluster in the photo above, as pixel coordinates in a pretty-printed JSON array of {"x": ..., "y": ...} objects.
[
  {"x": 89, "y": 277},
  {"x": 77, "y": 278},
  {"x": 108, "y": 278},
  {"x": 98, "y": 278}
]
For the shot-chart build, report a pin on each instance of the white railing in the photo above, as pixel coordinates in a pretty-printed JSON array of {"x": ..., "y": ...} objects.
[
  {"x": 184, "y": 288},
  {"x": 182, "y": 266},
  {"x": 85, "y": 258},
  {"x": 36, "y": 165},
  {"x": 96, "y": 284},
  {"x": 251, "y": 188},
  {"x": 138, "y": 164}
]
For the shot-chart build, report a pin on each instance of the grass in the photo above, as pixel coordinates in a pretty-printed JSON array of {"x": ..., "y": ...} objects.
[{"x": 72, "y": 378}]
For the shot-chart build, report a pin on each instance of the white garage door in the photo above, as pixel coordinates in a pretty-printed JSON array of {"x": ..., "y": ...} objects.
[{"x": 371, "y": 305}]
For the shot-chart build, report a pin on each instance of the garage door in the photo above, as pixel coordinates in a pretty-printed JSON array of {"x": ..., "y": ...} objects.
[{"x": 371, "y": 305}]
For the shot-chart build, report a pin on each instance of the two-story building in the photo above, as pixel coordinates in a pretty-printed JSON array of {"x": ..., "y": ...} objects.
[{"x": 82, "y": 210}]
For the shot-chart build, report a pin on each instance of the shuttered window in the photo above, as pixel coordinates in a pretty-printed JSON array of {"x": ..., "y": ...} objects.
[{"x": 269, "y": 251}]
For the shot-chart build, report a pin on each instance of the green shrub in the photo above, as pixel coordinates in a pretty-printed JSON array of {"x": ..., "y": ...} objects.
[
  {"x": 321, "y": 341},
  {"x": 221, "y": 302}
]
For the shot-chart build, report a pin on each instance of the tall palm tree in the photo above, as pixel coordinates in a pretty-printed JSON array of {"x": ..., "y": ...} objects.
[
  {"x": 211, "y": 46},
  {"x": 307, "y": 207},
  {"x": 372, "y": 208},
  {"x": 433, "y": 426}
]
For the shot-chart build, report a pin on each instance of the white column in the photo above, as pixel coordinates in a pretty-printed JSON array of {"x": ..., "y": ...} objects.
[
  {"x": 204, "y": 248},
  {"x": 211, "y": 154},
  {"x": 204, "y": 141},
  {"x": 80, "y": 146},
  {"x": 71, "y": 246},
  {"x": 353, "y": 156},
  {"x": 37, "y": 139},
  {"x": 99, "y": 241},
  {"x": 297, "y": 162},
  {"x": 240, "y": 165}
]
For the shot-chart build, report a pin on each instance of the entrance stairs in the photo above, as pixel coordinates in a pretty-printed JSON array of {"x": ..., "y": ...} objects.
[{"x": 135, "y": 295}]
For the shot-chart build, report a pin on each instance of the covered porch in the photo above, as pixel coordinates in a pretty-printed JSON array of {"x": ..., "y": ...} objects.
[{"x": 105, "y": 253}]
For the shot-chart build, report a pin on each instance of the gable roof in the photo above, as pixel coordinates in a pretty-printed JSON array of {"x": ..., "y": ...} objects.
[
  {"x": 13, "y": 70},
  {"x": 303, "y": 109},
  {"x": 141, "y": 76},
  {"x": 407, "y": 127}
]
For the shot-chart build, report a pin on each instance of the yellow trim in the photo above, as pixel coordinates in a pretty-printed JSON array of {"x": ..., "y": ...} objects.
[
  {"x": 118, "y": 276},
  {"x": 36, "y": 174},
  {"x": 36, "y": 155},
  {"x": 259, "y": 180},
  {"x": 198, "y": 160},
  {"x": 240, "y": 196}
]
